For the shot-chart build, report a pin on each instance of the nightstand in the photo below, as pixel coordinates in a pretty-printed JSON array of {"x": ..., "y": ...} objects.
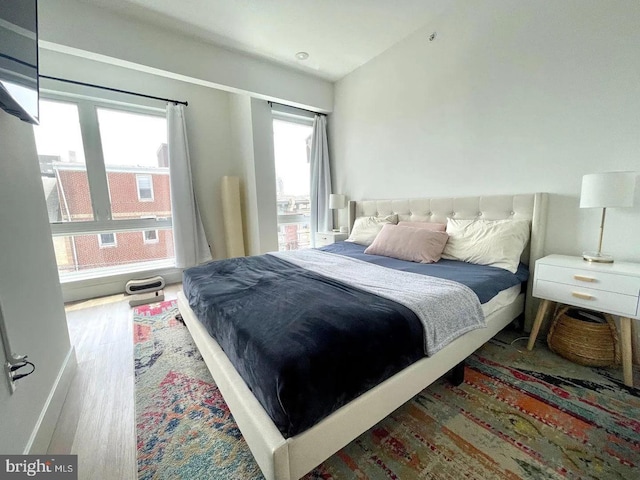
[
  {"x": 327, "y": 238},
  {"x": 604, "y": 287}
]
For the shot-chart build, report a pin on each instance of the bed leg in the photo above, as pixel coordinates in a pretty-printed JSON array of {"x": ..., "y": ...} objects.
[{"x": 456, "y": 374}]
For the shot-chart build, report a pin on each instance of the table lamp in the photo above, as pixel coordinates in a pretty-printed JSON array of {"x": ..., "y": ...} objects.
[
  {"x": 603, "y": 190},
  {"x": 337, "y": 201}
]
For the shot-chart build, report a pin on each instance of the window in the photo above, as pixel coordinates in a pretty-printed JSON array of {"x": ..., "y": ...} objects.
[
  {"x": 134, "y": 149},
  {"x": 63, "y": 168},
  {"x": 145, "y": 188},
  {"x": 104, "y": 170},
  {"x": 150, "y": 236},
  {"x": 291, "y": 140},
  {"x": 107, "y": 240}
]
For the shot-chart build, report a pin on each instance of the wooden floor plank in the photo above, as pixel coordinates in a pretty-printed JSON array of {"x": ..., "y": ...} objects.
[{"x": 97, "y": 421}]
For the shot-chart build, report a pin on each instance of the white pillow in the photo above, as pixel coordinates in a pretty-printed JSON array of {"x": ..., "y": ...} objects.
[
  {"x": 498, "y": 243},
  {"x": 366, "y": 229}
]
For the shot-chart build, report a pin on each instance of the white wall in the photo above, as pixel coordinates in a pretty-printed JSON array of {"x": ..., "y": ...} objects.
[
  {"x": 252, "y": 141},
  {"x": 30, "y": 296},
  {"x": 242, "y": 144},
  {"x": 265, "y": 168},
  {"x": 94, "y": 32},
  {"x": 511, "y": 97}
]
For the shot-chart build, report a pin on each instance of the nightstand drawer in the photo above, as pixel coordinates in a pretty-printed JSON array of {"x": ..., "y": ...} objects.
[
  {"x": 323, "y": 239},
  {"x": 579, "y": 296},
  {"x": 587, "y": 278},
  {"x": 327, "y": 238}
]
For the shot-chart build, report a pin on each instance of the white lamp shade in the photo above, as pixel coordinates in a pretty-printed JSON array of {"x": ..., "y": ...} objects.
[
  {"x": 611, "y": 189},
  {"x": 337, "y": 200}
]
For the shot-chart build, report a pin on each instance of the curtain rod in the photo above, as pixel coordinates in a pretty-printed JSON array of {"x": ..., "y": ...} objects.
[
  {"x": 75, "y": 82},
  {"x": 298, "y": 108}
]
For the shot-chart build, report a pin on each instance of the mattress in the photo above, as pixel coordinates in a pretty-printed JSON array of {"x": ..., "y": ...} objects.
[{"x": 306, "y": 344}]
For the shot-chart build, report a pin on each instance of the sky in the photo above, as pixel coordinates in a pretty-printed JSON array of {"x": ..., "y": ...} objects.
[
  {"x": 128, "y": 139},
  {"x": 290, "y": 151}
]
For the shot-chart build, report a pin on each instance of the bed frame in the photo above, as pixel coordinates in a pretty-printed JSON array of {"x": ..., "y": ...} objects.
[{"x": 291, "y": 458}]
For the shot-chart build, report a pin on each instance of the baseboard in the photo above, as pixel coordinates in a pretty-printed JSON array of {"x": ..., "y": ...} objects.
[{"x": 46, "y": 424}]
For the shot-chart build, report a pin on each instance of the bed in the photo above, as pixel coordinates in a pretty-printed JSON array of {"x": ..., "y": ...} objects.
[{"x": 282, "y": 456}]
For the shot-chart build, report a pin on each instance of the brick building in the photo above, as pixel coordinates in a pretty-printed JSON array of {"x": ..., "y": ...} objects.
[
  {"x": 294, "y": 229},
  {"x": 135, "y": 192}
]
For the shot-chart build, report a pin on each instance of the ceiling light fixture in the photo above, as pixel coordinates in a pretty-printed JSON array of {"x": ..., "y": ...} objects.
[{"x": 302, "y": 55}]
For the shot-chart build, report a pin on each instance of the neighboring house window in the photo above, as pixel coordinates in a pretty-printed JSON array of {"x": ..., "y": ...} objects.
[
  {"x": 121, "y": 185},
  {"x": 145, "y": 188},
  {"x": 107, "y": 239},
  {"x": 150, "y": 236}
]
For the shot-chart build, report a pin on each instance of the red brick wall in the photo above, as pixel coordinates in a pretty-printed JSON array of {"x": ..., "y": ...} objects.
[
  {"x": 130, "y": 246},
  {"x": 124, "y": 196},
  {"x": 74, "y": 187}
]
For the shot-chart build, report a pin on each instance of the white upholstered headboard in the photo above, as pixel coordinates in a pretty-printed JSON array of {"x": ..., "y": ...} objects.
[{"x": 532, "y": 207}]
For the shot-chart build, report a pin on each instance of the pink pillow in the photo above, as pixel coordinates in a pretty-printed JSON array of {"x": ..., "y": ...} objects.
[
  {"x": 435, "y": 227},
  {"x": 409, "y": 243}
]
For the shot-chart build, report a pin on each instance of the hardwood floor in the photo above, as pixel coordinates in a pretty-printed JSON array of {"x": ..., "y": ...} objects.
[{"x": 97, "y": 422}]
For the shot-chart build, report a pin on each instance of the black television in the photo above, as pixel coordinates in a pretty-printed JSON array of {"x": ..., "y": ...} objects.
[{"x": 19, "y": 58}]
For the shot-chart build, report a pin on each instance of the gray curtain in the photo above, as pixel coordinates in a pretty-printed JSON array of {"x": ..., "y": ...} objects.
[
  {"x": 321, "y": 217},
  {"x": 189, "y": 239}
]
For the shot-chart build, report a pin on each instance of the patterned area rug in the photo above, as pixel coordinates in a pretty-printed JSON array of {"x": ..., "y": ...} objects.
[{"x": 519, "y": 414}]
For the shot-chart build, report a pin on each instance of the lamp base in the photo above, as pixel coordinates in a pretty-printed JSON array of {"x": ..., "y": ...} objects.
[{"x": 597, "y": 257}]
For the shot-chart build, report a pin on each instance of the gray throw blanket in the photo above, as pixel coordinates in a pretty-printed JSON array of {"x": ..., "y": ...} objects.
[{"x": 446, "y": 309}]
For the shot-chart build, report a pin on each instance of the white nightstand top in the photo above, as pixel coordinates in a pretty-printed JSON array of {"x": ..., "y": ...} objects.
[{"x": 619, "y": 268}]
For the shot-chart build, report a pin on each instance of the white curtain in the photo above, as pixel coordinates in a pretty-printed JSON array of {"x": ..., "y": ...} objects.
[
  {"x": 321, "y": 217},
  {"x": 190, "y": 243}
]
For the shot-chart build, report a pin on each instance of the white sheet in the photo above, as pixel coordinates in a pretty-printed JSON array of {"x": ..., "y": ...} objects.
[{"x": 504, "y": 298}]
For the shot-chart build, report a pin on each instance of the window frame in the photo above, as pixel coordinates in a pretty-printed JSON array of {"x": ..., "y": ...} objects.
[
  {"x": 152, "y": 241},
  {"x": 286, "y": 113},
  {"x": 150, "y": 177},
  {"x": 101, "y": 244},
  {"x": 293, "y": 115},
  {"x": 96, "y": 170}
]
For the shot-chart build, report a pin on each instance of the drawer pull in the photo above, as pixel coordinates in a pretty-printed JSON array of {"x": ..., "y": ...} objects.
[
  {"x": 584, "y": 278},
  {"x": 583, "y": 296}
]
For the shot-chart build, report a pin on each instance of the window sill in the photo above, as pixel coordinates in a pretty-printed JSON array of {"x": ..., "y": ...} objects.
[
  {"x": 100, "y": 273},
  {"x": 111, "y": 281}
]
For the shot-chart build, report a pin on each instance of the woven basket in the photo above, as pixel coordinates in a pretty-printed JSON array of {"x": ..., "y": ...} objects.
[{"x": 584, "y": 337}]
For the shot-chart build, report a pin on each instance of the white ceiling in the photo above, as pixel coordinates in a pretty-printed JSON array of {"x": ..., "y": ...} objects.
[{"x": 339, "y": 35}]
